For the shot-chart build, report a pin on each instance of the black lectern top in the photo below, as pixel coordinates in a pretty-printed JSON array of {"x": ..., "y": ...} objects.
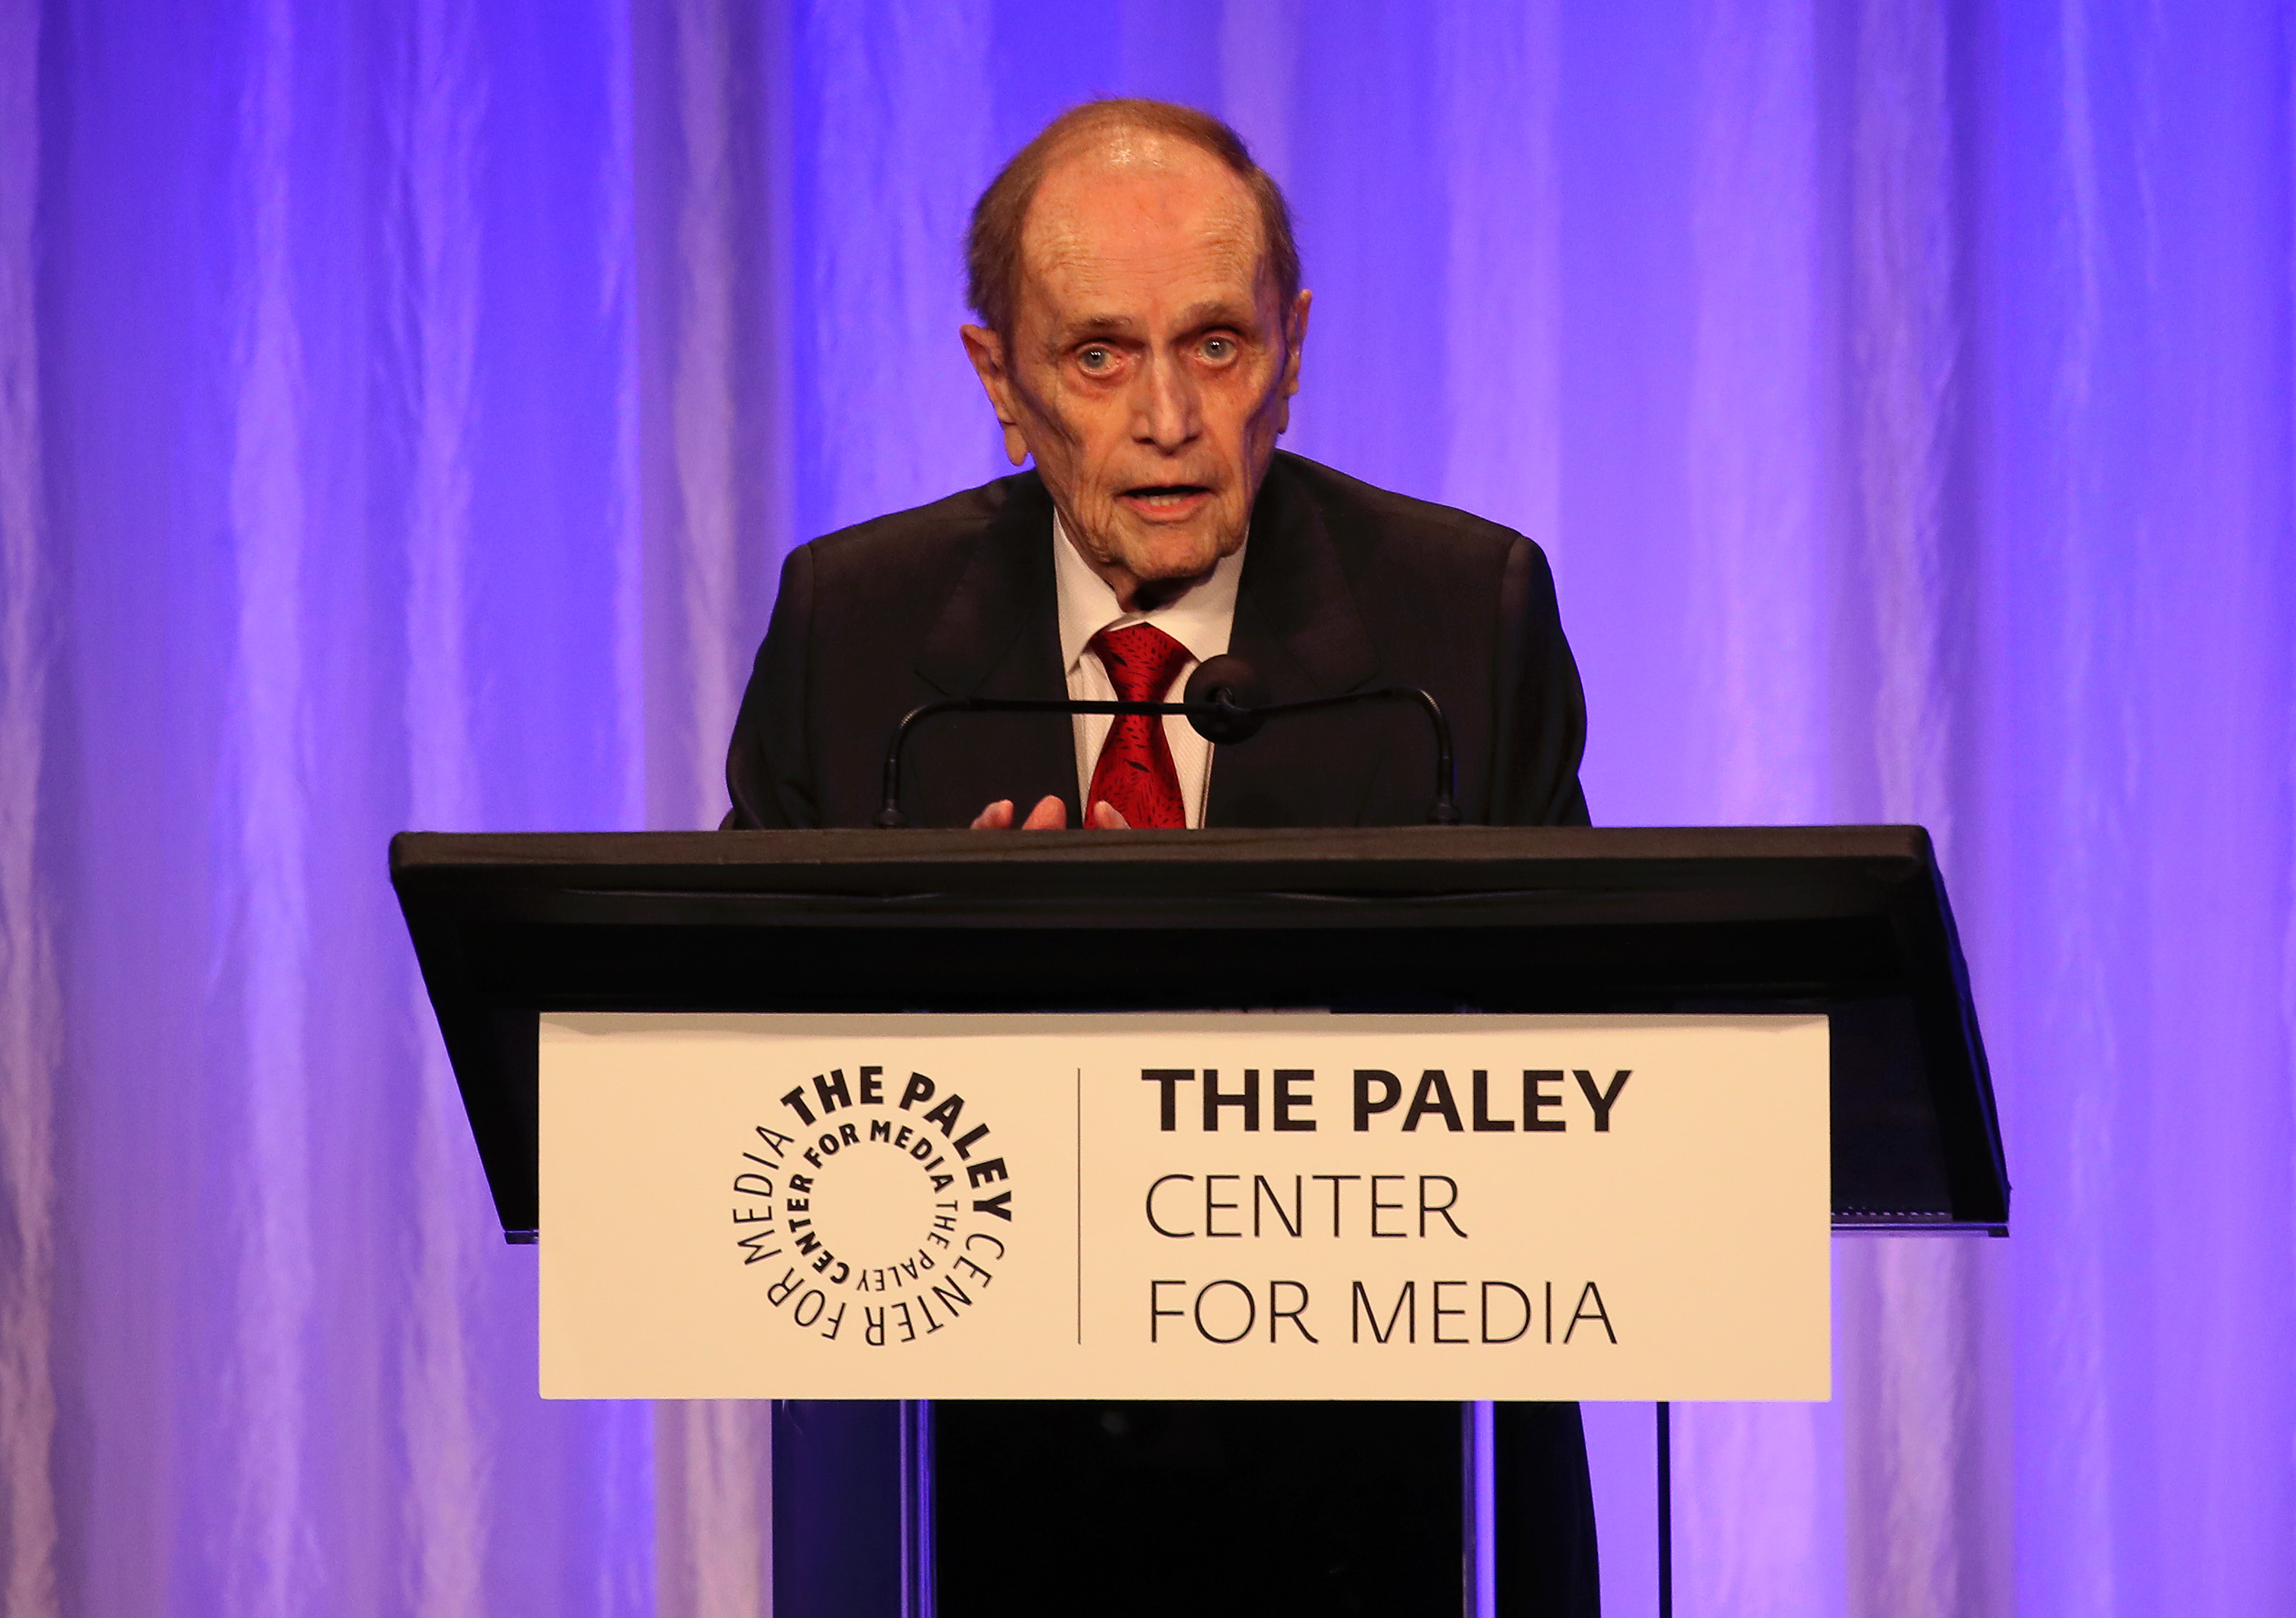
[{"x": 1849, "y": 921}]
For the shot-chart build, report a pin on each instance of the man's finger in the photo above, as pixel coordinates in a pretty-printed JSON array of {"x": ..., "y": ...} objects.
[
  {"x": 995, "y": 817},
  {"x": 1050, "y": 814},
  {"x": 1107, "y": 817}
]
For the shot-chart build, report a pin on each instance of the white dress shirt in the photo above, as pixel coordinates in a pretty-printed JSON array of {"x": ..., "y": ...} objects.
[{"x": 1199, "y": 620}]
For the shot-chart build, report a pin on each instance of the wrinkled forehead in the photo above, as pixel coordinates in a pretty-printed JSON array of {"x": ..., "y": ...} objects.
[{"x": 1131, "y": 213}]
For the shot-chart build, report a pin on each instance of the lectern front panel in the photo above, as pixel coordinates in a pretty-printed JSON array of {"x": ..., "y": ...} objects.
[{"x": 1849, "y": 923}]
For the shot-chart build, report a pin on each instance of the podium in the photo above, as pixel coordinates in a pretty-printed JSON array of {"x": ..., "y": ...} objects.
[{"x": 1848, "y": 924}]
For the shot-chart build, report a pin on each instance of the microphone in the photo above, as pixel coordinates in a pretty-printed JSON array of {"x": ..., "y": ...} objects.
[{"x": 1224, "y": 701}]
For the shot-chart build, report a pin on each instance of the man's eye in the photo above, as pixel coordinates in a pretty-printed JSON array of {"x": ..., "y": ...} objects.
[
  {"x": 1219, "y": 348},
  {"x": 1096, "y": 359}
]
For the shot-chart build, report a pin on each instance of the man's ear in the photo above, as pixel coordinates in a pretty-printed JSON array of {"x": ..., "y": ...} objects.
[
  {"x": 986, "y": 350},
  {"x": 1295, "y": 339}
]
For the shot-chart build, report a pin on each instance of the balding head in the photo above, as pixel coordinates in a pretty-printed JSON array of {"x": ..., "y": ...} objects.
[
  {"x": 1144, "y": 326},
  {"x": 1112, "y": 130}
]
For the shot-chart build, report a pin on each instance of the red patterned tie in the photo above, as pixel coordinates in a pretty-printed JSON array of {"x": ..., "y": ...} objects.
[{"x": 1135, "y": 773}]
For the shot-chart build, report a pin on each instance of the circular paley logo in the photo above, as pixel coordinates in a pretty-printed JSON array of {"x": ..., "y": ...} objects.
[{"x": 877, "y": 1212}]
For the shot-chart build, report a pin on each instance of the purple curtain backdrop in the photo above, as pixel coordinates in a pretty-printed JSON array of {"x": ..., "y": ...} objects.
[{"x": 402, "y": 410}]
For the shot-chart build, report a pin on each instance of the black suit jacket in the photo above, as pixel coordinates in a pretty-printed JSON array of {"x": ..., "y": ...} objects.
[{"x": 1344, "y": 587}]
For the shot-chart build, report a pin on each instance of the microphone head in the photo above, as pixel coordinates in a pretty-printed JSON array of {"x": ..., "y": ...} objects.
[{"x": 1231, "y": 685}]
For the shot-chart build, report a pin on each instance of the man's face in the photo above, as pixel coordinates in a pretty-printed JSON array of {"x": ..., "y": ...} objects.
[{"x": 1149, "y": 369}]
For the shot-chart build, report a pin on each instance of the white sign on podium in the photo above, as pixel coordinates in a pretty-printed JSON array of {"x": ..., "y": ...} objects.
[{"x": 1218, "y": 1206}]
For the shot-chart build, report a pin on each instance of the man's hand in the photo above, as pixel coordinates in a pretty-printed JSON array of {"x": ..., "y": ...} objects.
[{"x": 1050, "y": 814}]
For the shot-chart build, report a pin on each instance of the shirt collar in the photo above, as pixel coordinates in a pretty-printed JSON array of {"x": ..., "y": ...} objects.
[{"x": 1200, "y": 618}]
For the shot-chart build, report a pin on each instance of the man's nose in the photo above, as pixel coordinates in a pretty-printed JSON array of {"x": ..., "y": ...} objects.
[{"x": 1165, "y": 413}]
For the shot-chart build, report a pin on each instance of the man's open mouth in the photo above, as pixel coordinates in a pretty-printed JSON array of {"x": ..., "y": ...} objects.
[{"x": 1166, "y": 496}]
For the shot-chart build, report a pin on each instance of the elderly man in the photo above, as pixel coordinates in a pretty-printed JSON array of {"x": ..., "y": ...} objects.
[{"x": 1142, "y": 323}]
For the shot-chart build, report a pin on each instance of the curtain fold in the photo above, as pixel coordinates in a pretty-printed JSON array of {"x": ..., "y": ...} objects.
[
  {"x": 31, "y": 1006},
  {"x": 404, "y": 409}
]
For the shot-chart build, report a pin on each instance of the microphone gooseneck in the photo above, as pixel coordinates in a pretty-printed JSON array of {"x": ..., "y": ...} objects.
[{"x": 1224, "y": 701}]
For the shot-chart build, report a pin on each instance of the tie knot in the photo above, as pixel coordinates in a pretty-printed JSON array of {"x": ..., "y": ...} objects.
[{"x": 1141, "y": 661}]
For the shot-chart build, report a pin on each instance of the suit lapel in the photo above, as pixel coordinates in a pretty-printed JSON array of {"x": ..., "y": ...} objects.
[
  {"x": 1297, "y": 624},
  {"x": 998, "y": 635}
]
